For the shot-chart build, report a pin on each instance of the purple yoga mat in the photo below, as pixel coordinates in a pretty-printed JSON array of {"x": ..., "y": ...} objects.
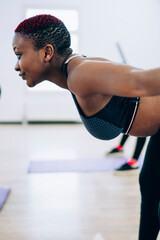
[
  {"x": 78, "y": 165},
  {"x": 4, "y": 192}
]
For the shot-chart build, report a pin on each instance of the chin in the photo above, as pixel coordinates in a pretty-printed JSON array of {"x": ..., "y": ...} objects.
[{"x": 31, "y": 84}]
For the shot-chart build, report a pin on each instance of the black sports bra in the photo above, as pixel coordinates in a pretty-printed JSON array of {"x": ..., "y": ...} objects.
[{"x": 116, "y": 117}]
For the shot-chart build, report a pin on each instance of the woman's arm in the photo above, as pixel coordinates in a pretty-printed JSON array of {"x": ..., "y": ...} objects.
[{"x": 108, "y": 78}]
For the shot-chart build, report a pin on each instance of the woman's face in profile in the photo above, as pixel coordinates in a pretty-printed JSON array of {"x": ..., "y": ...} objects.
[{"x": 30, "y": 64}]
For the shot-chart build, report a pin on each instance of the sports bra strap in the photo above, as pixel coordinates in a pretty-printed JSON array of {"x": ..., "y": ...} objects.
[{"x": 70, "y": 58}]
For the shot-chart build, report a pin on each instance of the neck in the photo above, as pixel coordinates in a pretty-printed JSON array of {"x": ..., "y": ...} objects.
[
  {"x": 59, "y": 79},
  {"x": 57, "y": 73}
]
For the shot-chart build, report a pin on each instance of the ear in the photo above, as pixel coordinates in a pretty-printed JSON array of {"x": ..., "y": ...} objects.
[{"x": 48, "y": 52}]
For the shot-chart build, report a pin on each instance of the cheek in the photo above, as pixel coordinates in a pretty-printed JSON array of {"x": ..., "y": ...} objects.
[
  {"x": 31, "y": 66},
  {"x": 25, "y": 64}
]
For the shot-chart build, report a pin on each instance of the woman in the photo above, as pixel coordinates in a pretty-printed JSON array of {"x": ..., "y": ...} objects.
[{"x": 42, "y": 45}]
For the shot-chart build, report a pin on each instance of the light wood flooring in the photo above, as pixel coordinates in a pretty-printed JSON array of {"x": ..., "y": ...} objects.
[{"x": 64, "y": 206}]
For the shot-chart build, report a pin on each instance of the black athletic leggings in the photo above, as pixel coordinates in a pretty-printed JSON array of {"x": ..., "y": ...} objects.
[
  {"x": 124, "y": 139},
  {"x": 150, "y": 190},
  {"x": 139, "y": 145}
]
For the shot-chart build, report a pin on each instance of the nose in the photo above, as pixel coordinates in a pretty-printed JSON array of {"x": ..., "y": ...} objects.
[{"x": 17, "y": 67}]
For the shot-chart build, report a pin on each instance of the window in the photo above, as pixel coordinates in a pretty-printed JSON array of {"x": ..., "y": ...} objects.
[{"x": 70, "y": 17}]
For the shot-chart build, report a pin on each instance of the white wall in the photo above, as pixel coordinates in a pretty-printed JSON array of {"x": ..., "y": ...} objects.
[{"x": 135, "y": 24}]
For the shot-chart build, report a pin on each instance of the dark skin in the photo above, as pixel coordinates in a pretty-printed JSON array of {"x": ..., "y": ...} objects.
[{"x": 93, "y": 81}]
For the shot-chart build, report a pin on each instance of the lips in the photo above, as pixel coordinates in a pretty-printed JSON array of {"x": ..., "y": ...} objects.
[{"x": 22, "y": 76}]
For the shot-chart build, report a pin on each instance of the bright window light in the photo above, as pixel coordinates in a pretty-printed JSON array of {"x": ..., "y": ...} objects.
[{"x": 69, "y": 17}]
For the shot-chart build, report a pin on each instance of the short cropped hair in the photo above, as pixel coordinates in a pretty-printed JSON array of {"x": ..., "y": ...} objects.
[{"x": 46, "y": 29}]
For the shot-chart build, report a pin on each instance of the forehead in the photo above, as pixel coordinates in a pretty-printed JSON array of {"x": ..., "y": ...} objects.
[{"x": 21, "y": 43}]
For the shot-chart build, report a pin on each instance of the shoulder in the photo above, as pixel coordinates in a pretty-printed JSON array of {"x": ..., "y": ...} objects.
[
  {"x": 80, "y": 80},
  {"x": 84, "y": 76}
]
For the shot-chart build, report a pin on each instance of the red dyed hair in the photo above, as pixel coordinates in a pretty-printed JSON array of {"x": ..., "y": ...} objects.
[
  {"x": 46, "y": 29},
  {"x": 37, "y": 22}
]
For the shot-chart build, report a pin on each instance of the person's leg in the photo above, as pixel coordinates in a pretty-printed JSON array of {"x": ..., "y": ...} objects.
[
  {"x": 159, "y": 212},
  {"x": 123, "y": 139},
  {"x": 132, "y": 163},
  {"x": 118, "y": 150},
  {"x": 150, "y": 191},
  {"x": 139, "y": 146}
]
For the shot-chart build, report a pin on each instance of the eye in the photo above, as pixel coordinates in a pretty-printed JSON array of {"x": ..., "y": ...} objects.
[{"x": 18, "y": 56}]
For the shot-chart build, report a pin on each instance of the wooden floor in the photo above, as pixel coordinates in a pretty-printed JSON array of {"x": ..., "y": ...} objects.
[{"x": 64, "y": 206}]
